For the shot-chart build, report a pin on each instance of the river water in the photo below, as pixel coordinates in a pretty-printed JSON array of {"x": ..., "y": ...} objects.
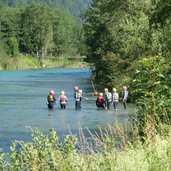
[{"x": 23, "y": 103}]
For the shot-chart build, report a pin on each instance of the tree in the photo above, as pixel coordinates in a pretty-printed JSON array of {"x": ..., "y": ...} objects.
[
  {"x": 9, "y": 19},
  {"x": 160, "y": 22},
  {"x": 73, "y": 7},
  {"x": 36, "y": 30},
  {"x": 64, "y": 33},
  {"x": 2, "y": 53},
  {"x": 116, "y": 27}
]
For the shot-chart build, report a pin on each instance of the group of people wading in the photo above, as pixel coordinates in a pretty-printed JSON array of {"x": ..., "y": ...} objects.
[{"x": 103, "y": 101}]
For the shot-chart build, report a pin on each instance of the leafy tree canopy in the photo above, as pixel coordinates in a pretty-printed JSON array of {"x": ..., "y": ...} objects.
[
  {"x": 75, "y": 7},
  {"x": 118, "y": 33},
  {"x": 38, "y": 30}
]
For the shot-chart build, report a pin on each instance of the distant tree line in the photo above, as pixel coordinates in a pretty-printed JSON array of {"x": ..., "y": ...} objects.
[
  {"x": 119, "y": 33},
  {"x": 75, "y": 7},
  {"x": 38, "y": 30}
]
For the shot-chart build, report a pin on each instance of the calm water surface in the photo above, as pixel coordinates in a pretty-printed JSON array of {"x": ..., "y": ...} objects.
[{"x": 23, "y": 103}]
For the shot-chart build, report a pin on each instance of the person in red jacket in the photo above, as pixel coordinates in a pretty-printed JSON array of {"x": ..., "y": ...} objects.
[{"x": 100, "y": 102}]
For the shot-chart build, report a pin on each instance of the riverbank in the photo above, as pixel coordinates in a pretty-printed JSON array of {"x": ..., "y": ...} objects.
[{"x": 29, "y": 62}]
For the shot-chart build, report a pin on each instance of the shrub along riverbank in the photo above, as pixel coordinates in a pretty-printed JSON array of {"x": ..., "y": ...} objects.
[
  {"x": 46, "y": 152},
  {"x": 29, "y": 62}
]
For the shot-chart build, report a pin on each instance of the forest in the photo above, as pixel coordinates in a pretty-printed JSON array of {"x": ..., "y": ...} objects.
[
  {"x": 37, "y": 30},
  {"x": 119, "y": 33},
  {"x": 75, "y": 7}
]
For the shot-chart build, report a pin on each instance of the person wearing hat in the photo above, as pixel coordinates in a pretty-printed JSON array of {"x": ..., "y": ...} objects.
[
  {"x": 124, "y": 96},
  {"x": 63, "y": 100},
  {"x": 107, "y": 98},
  {"x": 78, "y": 97},
  {"x": 100, "y": 102},
  {"x": 115, "y": 99},
  {"x": 51, "y": 100}
]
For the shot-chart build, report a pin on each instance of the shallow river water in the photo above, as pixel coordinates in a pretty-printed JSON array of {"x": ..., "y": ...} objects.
[{"x": 23, "y": 103}]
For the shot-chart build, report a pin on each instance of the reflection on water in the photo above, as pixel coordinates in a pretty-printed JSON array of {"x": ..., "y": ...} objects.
[{"x": 23, "y": 103}]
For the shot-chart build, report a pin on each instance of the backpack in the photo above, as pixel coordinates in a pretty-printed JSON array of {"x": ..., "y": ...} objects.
[
  {"x": 62, "y": 98},
  {"x": 50, "y": 98},
  {"x": 78, "y": 96}
]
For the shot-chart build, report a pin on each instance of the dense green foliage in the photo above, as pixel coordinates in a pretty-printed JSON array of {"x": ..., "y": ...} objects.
[
  {"x": 118, "y": 33},
  {"x": 37, "y": 30},
  {"x": 151, "y": 87},
  {"x": 75, "y": 7},
  {"x": 129, "y": 43},
  {"x": 47, "y": 152}
]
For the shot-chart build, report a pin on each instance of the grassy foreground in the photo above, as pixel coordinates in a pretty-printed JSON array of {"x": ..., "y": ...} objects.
[
  {"x": 29, "y": 62},
  {"x": 46, "y": 152}
]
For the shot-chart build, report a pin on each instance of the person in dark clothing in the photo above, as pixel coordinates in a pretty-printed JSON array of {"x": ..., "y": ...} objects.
[{"x": 51, "y": 100}]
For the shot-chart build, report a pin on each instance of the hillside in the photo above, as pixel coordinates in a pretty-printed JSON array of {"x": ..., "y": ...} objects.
[{"x": 75, "y": 7}]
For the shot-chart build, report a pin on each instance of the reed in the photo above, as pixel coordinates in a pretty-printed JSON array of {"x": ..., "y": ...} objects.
[{"x": 112, "y": 148}]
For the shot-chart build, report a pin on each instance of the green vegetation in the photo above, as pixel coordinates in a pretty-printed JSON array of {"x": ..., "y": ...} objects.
[
  {"x": 28, "y": 62},
  {"x": 64, "y": 62},
  {"x": 74, "y": 7},
  {"x": 151, "y": 88},
  {"x": 119, "y": 33},
  {"x": 37, "y": 31},
  {"x": 128, "y": 43},
  {"x": 47, "y": 152}
]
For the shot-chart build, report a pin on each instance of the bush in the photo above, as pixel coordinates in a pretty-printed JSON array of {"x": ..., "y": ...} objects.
[
  {"x": 151, "y": 87},
  {"x": 47, "y": 152}
]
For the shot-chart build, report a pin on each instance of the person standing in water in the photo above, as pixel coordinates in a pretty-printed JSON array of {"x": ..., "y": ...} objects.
[
  {"x": 82, "y": 97},
  {"x": 51, "y": 100},
  {"x": 107, "y": 97},
  {"x": 100, "y": 102},
  {"x": 63, "y": 100},
  {"x": 77, "y": 97},
  {"x": 124, "y": 96},
  {"x": 115, "y": 99}
]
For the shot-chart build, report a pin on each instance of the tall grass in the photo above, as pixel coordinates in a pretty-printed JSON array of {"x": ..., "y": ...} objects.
[
  {"x": 109, "y": 149},
  {"x": 30, "y": 62},
  {"x": 64, "y": 62},
  {"x": 21, "y": 62}
]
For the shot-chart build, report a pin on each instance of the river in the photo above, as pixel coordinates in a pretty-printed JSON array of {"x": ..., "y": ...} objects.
[{"x": 23, "y": 103}]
